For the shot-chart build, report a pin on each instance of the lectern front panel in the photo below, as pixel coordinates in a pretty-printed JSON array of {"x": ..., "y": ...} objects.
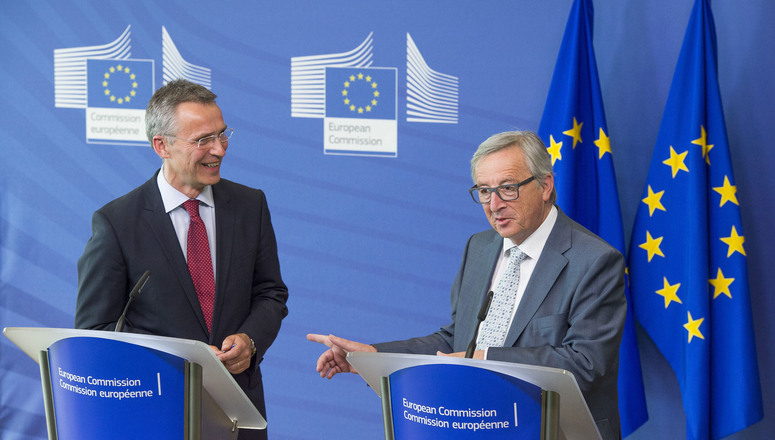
[{"x": 104, "y": 388}]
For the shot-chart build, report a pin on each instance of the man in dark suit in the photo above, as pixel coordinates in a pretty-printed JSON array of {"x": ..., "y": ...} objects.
[
  {"x": 228, "y": 292},
  {"x": 561, "y": 304}
]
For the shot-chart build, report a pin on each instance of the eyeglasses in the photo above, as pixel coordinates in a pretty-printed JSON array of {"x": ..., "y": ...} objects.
[
  {"x": 506, "y": 192},
  {"x": 208, "y": 141}
]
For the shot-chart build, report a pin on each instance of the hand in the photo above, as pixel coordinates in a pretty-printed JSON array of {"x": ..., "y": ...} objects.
[
  {"x": 478, "y": 354},
  {"x": 334, "y": 360},
  {"x": 235, "y": 353}
]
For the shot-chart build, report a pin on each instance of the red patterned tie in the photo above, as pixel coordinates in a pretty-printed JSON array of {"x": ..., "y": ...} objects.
[{"x": 200, "y": 262}]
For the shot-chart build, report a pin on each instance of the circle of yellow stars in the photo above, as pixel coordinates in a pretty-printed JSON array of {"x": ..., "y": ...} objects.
[
  {"x": 115, "y": 71},
  {"x": 360, "y": 109},
  {"x": 721, "y": 284}
]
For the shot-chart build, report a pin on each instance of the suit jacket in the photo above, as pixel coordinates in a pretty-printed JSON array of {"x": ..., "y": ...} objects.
[
  {"x": 134, "y": 233},
  {"x": 571, "y": 315}
]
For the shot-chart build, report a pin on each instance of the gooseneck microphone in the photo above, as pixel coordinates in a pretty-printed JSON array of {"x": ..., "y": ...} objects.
[
  {"x": 138, "y": 287},
  {"x": 481, "y": 317}
]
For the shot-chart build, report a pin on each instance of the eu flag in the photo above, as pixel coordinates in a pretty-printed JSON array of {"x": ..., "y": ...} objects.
[
  {"x": 574, "y": 128},
  {"x": 361, "y": 92},
  {"x": 119, "y": 83},
  {"x": 688, "y": 260}
]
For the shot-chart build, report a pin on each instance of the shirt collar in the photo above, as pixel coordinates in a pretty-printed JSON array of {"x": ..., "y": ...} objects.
[
  {"x": 172, "y": 198},
  {"x": 534, "y": 243}
]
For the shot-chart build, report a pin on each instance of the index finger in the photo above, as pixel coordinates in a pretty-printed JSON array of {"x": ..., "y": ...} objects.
[{"x": 323, "y": 339}]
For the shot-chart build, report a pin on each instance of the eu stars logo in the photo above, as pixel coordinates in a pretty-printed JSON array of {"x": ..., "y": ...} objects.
[
  {"x": 121, "y": 75},
  {"x": 361, "y": 111},
  {"x": 118, "y": 92}
]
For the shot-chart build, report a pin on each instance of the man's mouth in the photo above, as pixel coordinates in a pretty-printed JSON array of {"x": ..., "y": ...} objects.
[{"x": 211, "y": 165}]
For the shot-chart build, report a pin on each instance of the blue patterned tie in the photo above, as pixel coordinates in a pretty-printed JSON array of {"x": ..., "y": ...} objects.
[{"x": 494, "y": 328}]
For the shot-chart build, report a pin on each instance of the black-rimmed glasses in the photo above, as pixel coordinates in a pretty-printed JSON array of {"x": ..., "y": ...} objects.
[{"x": 507, "y": 192}]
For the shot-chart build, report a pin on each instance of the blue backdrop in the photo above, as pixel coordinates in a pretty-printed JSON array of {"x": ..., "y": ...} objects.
[{"x": 369, "y": 238}]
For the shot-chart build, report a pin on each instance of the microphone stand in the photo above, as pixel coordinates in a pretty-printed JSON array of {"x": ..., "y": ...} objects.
[{"x": 481, "y": 317}]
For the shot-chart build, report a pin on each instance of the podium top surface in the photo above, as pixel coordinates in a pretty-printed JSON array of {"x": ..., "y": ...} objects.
[
  {"x": 218, "y": 382},
  {"x": 576, "y": 421}
]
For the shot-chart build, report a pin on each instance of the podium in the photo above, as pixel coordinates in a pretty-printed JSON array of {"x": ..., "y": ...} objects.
[
  {"x": 574, "y": 420},
  {"x": 99, "y": 384}
]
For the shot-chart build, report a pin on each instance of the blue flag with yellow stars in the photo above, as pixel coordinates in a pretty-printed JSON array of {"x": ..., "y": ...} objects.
[
  {"x": 687, "y": 256},
  {"x": 574, "y": 129},
  {"x": 361, "y": 92},
  {"x": 119, "y": 83}
]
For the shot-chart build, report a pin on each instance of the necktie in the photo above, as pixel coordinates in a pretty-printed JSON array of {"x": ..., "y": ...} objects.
[
  {"x": 494, "y": 328},
  {"x": 200, "y": 263}
]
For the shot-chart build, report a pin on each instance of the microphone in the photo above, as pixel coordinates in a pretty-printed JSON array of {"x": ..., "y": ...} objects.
[
  {"x": 481, "y": 317},
  {"x": 138, "y": 287}
]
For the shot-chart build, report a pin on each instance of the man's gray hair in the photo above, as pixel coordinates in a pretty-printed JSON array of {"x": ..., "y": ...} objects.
[
  {"x": 160, "y": 113},
  {"x": 538, "y": 159}
]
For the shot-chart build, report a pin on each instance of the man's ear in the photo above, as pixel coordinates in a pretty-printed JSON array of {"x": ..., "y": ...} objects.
[
  {"x": 160, "y": 146},
  {"x": 547, "y": 187}
]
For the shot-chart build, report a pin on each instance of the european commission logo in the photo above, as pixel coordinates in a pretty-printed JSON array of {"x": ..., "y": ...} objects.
[
  {"x": 358, "y": 101},
  {"x": 114, "y": 88},
  {"x": 360, "y": 111},
  {"x": 118, "y": 92}
]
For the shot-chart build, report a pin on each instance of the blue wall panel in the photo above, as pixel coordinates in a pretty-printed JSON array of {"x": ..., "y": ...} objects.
[{"x": 368, "y": 245}]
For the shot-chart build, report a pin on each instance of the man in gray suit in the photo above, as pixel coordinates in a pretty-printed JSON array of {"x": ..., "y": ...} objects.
[{"x": 564, "y": 306}]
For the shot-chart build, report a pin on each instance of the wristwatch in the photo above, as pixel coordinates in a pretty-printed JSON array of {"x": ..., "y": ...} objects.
[{"x": 252, "y": 348}]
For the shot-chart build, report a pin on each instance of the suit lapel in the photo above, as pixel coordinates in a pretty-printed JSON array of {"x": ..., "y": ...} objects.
[
  {"x": 483, "y": 262},
  {"x": 547, "y": 269},
  {"x": 225, "y": 217},
  {"x": 160, "y": 224}
]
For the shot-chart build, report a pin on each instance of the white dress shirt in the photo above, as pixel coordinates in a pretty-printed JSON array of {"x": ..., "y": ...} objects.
[
  {"x": 532, "y": 247},
  {"x": 173, "y": 204}
]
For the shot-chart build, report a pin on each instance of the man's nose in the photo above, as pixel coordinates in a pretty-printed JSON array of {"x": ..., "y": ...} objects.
[
  {"x": 218, "y": 148},
  {"x": 496, "y": 202}
]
